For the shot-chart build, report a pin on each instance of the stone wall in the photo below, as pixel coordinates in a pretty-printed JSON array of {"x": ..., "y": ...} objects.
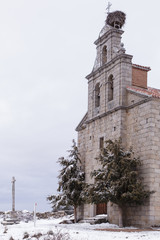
[
  {"x": 108, "y": 127},
  {"x": 139, "y": 127},
  {"x": 143, "y": 133}
]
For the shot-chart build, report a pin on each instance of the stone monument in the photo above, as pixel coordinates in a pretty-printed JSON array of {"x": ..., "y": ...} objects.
[
  {"x": 13, "y": 194},
  {"x": 11, "y": 217}
]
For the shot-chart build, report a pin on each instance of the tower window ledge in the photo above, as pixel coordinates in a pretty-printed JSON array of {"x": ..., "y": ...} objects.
[
  {"x": 111, "y": 105},
  {"x": 97, "y": 110}
]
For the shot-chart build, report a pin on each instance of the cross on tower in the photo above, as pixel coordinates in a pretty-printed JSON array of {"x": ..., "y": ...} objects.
[{"x": 108, "y": 7}]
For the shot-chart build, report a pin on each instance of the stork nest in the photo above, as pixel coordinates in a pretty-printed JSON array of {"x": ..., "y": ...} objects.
[{"x": 116, "y": 17}]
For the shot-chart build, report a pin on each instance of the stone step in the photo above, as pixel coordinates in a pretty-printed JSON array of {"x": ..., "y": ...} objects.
[
  {"x": 98, "y": 219},
  {"x": 10, "y": 221}
]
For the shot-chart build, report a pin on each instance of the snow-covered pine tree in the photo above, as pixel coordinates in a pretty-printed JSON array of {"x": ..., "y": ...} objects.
[
  {"x": 71, "y": 182},
  {"x": 118, "y": 179}
]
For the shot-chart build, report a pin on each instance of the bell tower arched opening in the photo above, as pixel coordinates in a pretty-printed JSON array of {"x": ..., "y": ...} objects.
[
  {"x": 97, "y": 95},
  {"x": 110, "y": 88},
  {"x": 104, "y": 55}
]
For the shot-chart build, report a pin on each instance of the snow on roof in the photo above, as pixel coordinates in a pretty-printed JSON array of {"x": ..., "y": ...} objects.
[{"x": 150, "y": 92}]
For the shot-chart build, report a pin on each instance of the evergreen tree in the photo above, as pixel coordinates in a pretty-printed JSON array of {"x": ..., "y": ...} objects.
[
  {"x": 118, "y": 179},
  {"x": 71, "y": 182}
]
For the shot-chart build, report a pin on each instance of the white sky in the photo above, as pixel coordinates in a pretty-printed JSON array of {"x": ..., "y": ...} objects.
[{"x": 46, "y": 50}]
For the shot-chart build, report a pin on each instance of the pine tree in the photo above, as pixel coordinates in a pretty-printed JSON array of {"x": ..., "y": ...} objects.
[
  {"x": 71, "y": 182},
  {"x": 118, "y": 179}
]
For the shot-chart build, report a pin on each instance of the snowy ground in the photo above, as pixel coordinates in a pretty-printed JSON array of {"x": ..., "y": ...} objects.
[{"x": 79, "y": 231}]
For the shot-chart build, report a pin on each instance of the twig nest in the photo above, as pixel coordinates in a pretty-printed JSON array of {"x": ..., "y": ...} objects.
[{"x": 116, "y": 19}]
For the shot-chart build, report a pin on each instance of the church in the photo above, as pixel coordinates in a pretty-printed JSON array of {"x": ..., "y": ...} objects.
[{"x": 121, "y": 105}]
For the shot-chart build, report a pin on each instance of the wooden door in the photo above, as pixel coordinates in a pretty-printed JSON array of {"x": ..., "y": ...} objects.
[{"x": 101, "y": 208}]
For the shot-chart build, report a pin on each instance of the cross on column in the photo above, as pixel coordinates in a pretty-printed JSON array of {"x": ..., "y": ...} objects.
[
  {"x": 13, "y": 194},
  {"x": 108, "y": 7}
]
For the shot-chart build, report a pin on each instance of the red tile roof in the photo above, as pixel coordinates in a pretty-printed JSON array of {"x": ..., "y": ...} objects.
[
  {"x": 141, "y": 67},
  {"x": 150, "y": 92}
]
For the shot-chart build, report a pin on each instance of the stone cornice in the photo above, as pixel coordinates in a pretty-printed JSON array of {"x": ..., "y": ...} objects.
[
  {"x": 139, "y": 103},
  {"x": 105, "y": 35},
  {"x": 81, "y": 122},
  {"x": 107, "y": 65},
  {"x": 106, "y": 113},
  {"x": 138, "y": 93},
  {"x": 114, "y": 110}
]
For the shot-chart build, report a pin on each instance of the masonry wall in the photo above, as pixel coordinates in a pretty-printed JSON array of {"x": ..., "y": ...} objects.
[
  {"x": 140, "y": 129},
  {"x": 121, "y": 69},
  {"x": 143, "y": 133},
  {"x": 136, "y": 134},
  {"x": 108, "y": 127}
]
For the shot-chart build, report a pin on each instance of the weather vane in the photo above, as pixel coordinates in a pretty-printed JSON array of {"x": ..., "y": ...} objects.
[{"x": 108, "y": 7}]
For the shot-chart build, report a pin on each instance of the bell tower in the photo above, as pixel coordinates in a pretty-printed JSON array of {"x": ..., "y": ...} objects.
[{"x": 112, "y": 70}]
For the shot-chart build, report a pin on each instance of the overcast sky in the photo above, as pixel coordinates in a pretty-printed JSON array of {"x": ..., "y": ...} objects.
[{"x": 46, "y": 50}]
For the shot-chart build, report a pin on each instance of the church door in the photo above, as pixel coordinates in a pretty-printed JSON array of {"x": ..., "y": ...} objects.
[{"x": 101, "y": 208}]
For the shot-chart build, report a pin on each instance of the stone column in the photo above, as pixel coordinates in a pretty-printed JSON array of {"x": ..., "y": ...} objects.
[{"x": 13, "y": 194}]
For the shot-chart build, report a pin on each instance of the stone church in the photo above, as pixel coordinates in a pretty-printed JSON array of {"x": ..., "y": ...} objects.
[{"x": 120, "y": 104}]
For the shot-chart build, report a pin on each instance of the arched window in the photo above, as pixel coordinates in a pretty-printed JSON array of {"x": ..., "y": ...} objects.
[
  {"x": 110, "y": 88},
  {"x": 97, "y": 95},
  {"x": 104, "y": 55}
]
